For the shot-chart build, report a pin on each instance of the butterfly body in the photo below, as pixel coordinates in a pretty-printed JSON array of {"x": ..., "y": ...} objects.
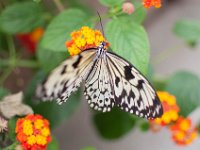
[{"x": 109, "y": 81}]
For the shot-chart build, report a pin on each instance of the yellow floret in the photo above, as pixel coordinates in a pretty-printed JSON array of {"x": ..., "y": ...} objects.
[
  {"x": 41, "y": 140},
  {"x": 31, "y": 140},
  {"x": 27, "y": 127},
  {"x": 45, "y": 132},
  {"x": 38, "y": 123}
]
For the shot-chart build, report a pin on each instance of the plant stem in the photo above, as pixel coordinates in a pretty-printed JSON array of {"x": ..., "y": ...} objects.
[
  {"x": 19, "y": 63},
  {"x": 59, "y": 5},
  {"x": 27, "y": 63},
  {"x": 11, "y": 47}
]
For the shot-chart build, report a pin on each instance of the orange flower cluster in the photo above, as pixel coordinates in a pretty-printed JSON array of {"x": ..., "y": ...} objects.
[
  {"x": 170, "y": 109},
  {"x": 182, "y": 131},
  {"x": 30, "y": 40},
  {"x": 150, "y": 3},
  {"x": 82, "y": 39},
  {"x": 33, "y": 132}
]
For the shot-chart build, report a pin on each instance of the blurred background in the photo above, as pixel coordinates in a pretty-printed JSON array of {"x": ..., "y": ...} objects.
[{"x": 169, "y": 54}]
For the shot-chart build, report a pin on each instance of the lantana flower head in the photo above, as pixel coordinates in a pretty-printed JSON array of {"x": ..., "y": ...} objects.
[
  {"x": 30, "y": 40},
  {"x": 128, "y": 8},
  {"x": 33, "y": 132},
  {"x": 83, "y": 39},
  {"x": 150, "y": 3},
  {"x": 170, "y": 109},
  {"x": 183, "y": 132}
]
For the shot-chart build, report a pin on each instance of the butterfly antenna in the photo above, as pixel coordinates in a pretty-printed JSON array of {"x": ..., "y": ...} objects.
[{"x": 101, "y": 23}]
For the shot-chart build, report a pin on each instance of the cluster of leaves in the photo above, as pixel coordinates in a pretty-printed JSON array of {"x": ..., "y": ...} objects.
[{"x": 126, "y": 36}]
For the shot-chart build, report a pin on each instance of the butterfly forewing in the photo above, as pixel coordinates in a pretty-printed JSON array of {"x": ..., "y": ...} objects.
[
  {"x": 67, "y": 77},
  {"x": 98, "y": 87},
  {"x": 132, "y": 92}
]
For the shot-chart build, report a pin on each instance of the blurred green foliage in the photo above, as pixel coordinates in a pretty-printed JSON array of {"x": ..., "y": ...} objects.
[{"x": 188, "y": 30}]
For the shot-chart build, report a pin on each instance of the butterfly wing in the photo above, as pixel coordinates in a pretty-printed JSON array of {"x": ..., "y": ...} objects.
[
  {"x": 67, "y": 77},
  {"x": 132, "y": 92},
  {"x": 98, "y": 87}
]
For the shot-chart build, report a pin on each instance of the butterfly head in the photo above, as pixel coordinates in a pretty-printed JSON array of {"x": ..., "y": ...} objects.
[{"x": 103, "y": 45}]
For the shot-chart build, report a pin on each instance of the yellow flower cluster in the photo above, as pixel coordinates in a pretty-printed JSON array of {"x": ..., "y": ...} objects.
[
  {"x": 33, "y": 132},
  {"x": 83, "y": 39},
  {"x": 170, "y": 108}
]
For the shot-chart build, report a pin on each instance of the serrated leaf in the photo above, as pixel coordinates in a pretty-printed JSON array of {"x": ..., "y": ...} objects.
[
  {"x": 58, "y": 31},
  {"x": 185, "y": 86},
  {"x": 21, "y": 18},
  {"x": 114, "y": 124},
  {"x": 111, "y": 3},
  {"x": 130, "y": 41},
  {"x": 56, "y": 58},
  {"x": 188, "y": 30}
]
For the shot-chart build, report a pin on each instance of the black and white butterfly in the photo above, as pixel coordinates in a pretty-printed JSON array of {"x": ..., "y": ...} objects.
[{"x": 109, "y": 80}]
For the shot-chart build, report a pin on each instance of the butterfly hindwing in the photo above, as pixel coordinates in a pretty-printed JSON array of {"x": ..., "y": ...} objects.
[
  {"x": 67, "y": 77},
  {"x": 98, "y": 87},
  {"x": 133, "y": 93}
]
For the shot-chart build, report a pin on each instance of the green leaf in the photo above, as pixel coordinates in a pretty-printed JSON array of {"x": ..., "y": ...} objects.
[
  {"x": 160, "y": 84},
  {"x": 29, "y": 93},
  {"x": 21, "y": 17},
  {"x": 3, "y": 42},
  {"x": 11, "y": 147},
  {"x": 188, "y": 30},
  {"x": 56, "y": 58},
  {"x": 185, "y": 86},
  {"x": 114, "y": 124},
  {"x": 144, "y": 126},
  {"x": 53, "y": 145},
  {"x": 130, "y": 41},
  {"x": 139, "y": 14},
  {"x": 60, "y": 28},
  {"x": 88, "y": 148},
  {"x": 11, "y": 127},
  {"x": 111, "y": 3},
  {"x": 3, "y": 92},
  {"x": 56, "y": 113}
]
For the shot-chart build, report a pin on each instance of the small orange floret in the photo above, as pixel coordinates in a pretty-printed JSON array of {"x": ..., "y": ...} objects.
[
  {"x": 33, "y": 132},
  {"x": 170, "y": 109},
  {"x": 83, "y": 39},
  {"x": 150, "y": 3},
  {"x": 182, "y": 131}
]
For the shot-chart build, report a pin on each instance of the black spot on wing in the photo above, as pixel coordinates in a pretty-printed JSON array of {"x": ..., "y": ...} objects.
[
  {"x": 63, "y": 70},
  {"x": 127, "y": 72},
  {"x": 75, "y": 64},
  {"x": 117, "y": 81},
  {"x": 140, "y": 84}
]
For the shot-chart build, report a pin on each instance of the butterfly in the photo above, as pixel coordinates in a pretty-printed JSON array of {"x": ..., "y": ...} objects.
[{"x": 109, "y": 81}]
